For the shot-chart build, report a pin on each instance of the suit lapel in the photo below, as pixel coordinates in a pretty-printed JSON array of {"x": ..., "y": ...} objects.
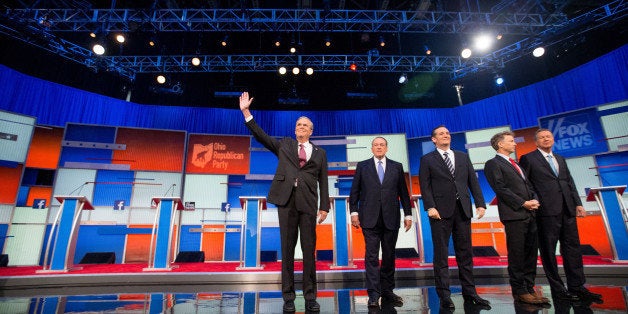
[
  {"x": 541, "y": 159},
  {"x": 510, "y": 166},
  {"x": 442, "y": 163}
]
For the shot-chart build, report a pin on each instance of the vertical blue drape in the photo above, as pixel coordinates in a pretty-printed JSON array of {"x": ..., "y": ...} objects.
[{"x": 600, "y": 81}]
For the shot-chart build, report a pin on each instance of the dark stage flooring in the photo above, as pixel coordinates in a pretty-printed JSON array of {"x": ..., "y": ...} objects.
[{"x": 218, "y": 287}]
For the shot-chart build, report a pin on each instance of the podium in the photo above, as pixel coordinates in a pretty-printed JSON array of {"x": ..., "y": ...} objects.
[
  {"x": 159, "y": 257},
  {"x": 422, "y": 225},
  {"x": 66, "y": 224},
  {"x": 251, "y": 231},
  {"x": 615, "y": 217},
  {"x": 341, "y": 235}
]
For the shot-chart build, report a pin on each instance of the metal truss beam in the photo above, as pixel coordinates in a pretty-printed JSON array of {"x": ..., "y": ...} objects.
[
  {"x": 283, "y": 20},
  {"x": 271, "y": 63},
  {"x": 611, "y": 12}
]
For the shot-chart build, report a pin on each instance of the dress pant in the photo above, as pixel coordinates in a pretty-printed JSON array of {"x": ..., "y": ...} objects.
[
  {"x": 293, "y": 220},
  {"x": 458, "y": 226},
  {"x": 522, "y": 245},
  {"x": 379, "y": 279},
  {"x": 563, "y": 228}
]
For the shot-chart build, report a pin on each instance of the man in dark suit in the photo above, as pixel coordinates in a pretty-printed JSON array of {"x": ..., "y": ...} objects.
[
  {"x": 517, "y": 205},
  {"x": 301, "y": 172},
  {"x": 556, "y": 218},
  {"x": 446, "y": 177},
  {"x": 378, "y": 186}
]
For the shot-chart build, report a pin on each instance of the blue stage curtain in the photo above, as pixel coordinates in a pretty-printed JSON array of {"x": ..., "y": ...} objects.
[{"x": 598, "y": 82}]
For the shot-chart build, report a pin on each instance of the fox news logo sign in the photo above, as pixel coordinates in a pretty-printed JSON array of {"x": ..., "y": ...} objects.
[{"x": 576, "y": 133}]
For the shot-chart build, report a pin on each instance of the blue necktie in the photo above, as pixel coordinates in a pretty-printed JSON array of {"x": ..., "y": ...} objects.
[
  {"x": 380, "y": 171},
  {"x": 551, "y": 162}
]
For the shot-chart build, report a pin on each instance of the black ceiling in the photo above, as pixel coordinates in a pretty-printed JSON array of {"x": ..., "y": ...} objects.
[{"x": 325, "y": 90}]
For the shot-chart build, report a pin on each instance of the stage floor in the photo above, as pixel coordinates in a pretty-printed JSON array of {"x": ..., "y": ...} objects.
[{"x": 213, "y": 287}]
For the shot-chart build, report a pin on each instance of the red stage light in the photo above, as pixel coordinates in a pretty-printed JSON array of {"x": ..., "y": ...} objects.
[{"x": 353, "y": 67}]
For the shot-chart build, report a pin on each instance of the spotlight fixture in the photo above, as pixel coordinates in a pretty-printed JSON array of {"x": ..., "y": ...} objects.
[
  {"x": 296, "y": 71},
  {"x": 499, "y": 80},
  {"x": 225, "y": 41},
  {"x": 483, "y": 42},
  {"x": 196, "y": 61},
  {"x": 499, "y": 36},
  {"x": 293, "y": 49},
  {"x": 538, "y": 51},
  {"x": 278, "y": 41},
  {"x": 161, "y": 79},
  {"x": 403, "y": 78},
  {"x": 92, "y": 34},
  {"x": 466, "y": 53},
  {"x": 327, "y": 41},
  {"x": 353, "y": 67},
  {"x": 427, "y": 50},
  {"x": 382, "y": 41},
  {"x": 282, "y": 70},
  {"x": 98, "y": 49},
  {"x": 120, "y": 38},
  {"x": 309, "y": 71}
]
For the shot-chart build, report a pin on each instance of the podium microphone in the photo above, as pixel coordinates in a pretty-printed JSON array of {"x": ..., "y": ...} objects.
[
  {"x": 79, "y": 189},
  {"x": 170, "y": 188}
]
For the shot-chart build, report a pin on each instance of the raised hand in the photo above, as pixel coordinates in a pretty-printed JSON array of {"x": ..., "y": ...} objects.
[{"x": 245, "y": 101}]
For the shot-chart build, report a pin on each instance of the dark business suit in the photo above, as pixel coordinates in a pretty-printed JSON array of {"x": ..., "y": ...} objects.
[
  {"x": 297, "y": 205},
  {"x": 512, "y": 192},
  {"x": 450, "y": 196},
  {"x": 556, "y": 219},
  {"x": 377, "y": 205}
]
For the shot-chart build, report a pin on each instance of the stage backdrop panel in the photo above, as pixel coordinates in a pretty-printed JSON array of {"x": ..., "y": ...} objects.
[
  {"x": 525, "y": 141},
  {"x": 45, "y": 148},
  {"x": 576, "y": 133},
  {"x": 206, "y": 191},
  {"x": 78, "y": 143},
  {"x": 218, "y": 154},
  {"x": 614, "y": 117},
  {"x": 15, "y": 136},
  {"x": 113, "y": 185},
  {"x": 74, "y": 182},
  {"x": 147, "y": 185},
  {"x": 26, "y": 243},
  {"x": 263, "y": 161},
  {"x": 10, "y": 183},
  {"x": 479, "y": 145},
  {"x": 147, "y": 149}
]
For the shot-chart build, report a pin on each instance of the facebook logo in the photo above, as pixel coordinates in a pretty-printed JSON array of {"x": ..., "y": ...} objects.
[
  {"x": 39, "y": 203},
  {"x": 225, "y": 207},
  {"x": 118, "y": 205}
]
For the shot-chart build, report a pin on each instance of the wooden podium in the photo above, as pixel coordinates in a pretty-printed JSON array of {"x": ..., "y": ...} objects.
[
  {"x": 66, "y": 225},
  {"x": 160, "y": 256}
]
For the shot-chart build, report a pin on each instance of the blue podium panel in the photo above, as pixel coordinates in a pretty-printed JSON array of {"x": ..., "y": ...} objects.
[
  {"x": 615, "y": 217},
  {"x": 162, "y": 232},
  {"x": 251, "y": 231},
  {"x": 342, "y": 239},
  {"x": 67, "y": 223}
]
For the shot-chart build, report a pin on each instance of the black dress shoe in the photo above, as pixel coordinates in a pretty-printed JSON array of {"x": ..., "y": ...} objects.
[
  {"x": 585, "y": 294},
  {"x": 312, "y": 306},
  {"x": 565, "y": 296},
  {"x": 288, "y": 306},
  {"x": 447, "y": 303},
  {"x": 373, "y": 303},
  {"x": 475, "y": 299},
  {"x": 391, "y": 296}
]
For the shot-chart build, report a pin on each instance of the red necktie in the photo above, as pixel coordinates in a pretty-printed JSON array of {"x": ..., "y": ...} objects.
[
  {"x": 514, "y": 164},
  {"x": 302, "y": 155}
]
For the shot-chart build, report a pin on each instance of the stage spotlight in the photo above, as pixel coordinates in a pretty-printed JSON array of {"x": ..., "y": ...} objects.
[
  {"x": 293, "y": 49},
  {"x": 427, "y": 50},
  {"x": 225, "y": 41},
  {"x": 382, "y": 41},
  {"x": 483, "y": 42},
  {"x": 120, "y": 38},
  {"x": 327, "y": 41},
  {"x": 499, "y": 80},
  {"x": 278, "y": 41},
  {"x": 499, "y": 36},
  {"x": 466, "y": 53},
  {"x": 282, "y": 70},
  {"x": 196, "y": 61},
  {"x": 296, "y": 71},
  {"x": 403, "y": 78},
  {"x": 98, "y": 49},
  {"x": 161, "y": 79},
  {"x": 353, "y": 67},
  {"x": 538, "y": 51},
  {"x": 92, "y": 34},
  {"x": 309, "y": 71}
]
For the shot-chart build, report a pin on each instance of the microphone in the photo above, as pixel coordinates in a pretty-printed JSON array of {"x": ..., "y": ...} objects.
[
  {"x": 170, "y": 188},
  {"x": 79, "y": 189}
]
